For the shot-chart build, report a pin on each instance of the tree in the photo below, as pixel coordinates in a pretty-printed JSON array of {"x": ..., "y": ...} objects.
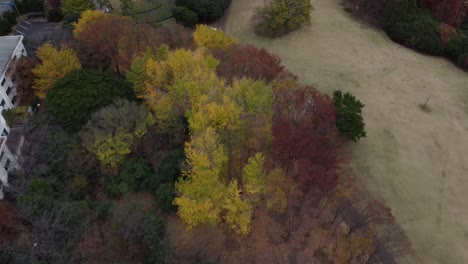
[
  {"x": 239, "y": 61},
  {"x": 185, "y": 16},
  {"x": 201, "y": 188},
  {"x": 55, "y": 63},
  {"x": 207, "y": 10},
  {"x": 86, "y": 18},
  {"x": 254, "y": 177},
  {"x": 77, "y": 6},
  {"x": 21, "y": 71},
  {"x": 112, "y": 130},
  {"x": 349, "y": 115},
  {"x": 237, "y": 211},
  {"x": 78, "y": 94},
  {"x": 305, "y": 138},
  {"x": 277, "y": 190},
  {"x": 281, "y": 17},
  {"x": 212, "y": 38},
  {"x": 133, "y": 173},
  {"x": 353, "y": 249}
]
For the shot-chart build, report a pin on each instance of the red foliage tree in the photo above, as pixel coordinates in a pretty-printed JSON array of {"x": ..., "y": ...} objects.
[
  {"x": 114, "y": 42},
  {"x": 305, "y": 137},
  {"x": 248, "y": 61},
  {"x": 8, "y": 223}
]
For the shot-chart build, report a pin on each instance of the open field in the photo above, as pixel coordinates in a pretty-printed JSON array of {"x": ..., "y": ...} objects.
[
  {"x": 417, "y": 161},
  {"x": 142, "y": 5}
]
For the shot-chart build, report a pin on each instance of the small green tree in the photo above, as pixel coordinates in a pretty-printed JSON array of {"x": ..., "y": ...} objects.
[
  {"x": 112, "y": 130},
  {"x": 281, "y": 17},
  {"x": 349, "y": 115},
  {"x": 185, "y": 16}
]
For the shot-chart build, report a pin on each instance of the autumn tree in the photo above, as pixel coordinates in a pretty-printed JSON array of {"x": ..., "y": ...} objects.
[
  {"x": 9, "y": 223},
  {"x": 280, "y": 17},
  {"x": 245, "y": 61},
  {"x": 277, "y": 190},
  {"x": 352, "y": 249},
  {"x": 254, "y": 177},
  {"x": 21, "y": 71},
  {"x": 77, "y": 6},
  {"x": 55, "y": 63},
  {"x": 112, "y": 130},
  {"x": 78, "y": 94},
  {"x": 201, "y": 188},
  {"x": 305, "y": 138},
  {"x": 209, "y": 37}
]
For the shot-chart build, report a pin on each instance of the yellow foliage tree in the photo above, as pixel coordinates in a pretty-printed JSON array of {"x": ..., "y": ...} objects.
[
  {"x": 254, "y": 177},
  {"x": 209, "y": 37},
  {"x": 202, "y": 190},
  {"x": 237, "y": 212},
  {"x": 55, "y": 63},
  {"x": 86, "y": 18}
]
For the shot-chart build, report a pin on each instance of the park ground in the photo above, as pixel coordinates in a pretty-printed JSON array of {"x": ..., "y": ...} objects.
[{"x": 417, "y": 161}]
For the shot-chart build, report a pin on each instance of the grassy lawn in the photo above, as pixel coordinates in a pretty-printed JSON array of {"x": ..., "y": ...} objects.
[
  {"x": 416, "y": 160},
  {"x": 150, "y": 17}
]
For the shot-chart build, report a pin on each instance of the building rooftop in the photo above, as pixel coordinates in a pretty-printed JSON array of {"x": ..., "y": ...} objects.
[{"x": 7, "y": 47}]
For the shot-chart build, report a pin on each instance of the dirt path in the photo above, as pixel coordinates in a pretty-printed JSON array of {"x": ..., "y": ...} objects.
[{"x": 417, "y": 161}]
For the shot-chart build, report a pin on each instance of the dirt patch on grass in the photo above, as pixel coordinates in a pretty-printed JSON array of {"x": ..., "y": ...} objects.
[{"x": 416, "y": 160}]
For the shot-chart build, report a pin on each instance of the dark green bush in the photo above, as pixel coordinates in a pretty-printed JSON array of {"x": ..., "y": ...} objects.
[
  {"x": 54, "y": 15},
  {"x": 419, "y": 31},
  {"x": 26, "y": 6},
  {"x": 73, "y": 98},
  {"x": 349, "y": 119},
  {"x": 165, "y": 196},
  {"x": 5, "y": 27},
  {"x": 185, "y": 16},
  {"x": 133, "y": 172},
  {"x": 206, "y": 10},
  {"x": 10, "y": 18}
]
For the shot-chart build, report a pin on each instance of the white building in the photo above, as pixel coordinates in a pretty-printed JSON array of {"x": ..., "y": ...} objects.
[{"x": 11, "y": 48}]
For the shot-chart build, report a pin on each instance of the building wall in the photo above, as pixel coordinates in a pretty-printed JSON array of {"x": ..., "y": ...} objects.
[{"x": 8, "y": 99}]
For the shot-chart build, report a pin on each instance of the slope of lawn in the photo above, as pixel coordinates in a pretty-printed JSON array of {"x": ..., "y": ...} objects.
[{"x": 416, "y": 160}]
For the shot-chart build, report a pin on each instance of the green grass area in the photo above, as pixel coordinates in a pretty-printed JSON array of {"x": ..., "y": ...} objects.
[{"x": 150, "y": 17}]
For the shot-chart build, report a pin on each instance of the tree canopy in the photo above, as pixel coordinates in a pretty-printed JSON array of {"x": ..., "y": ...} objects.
[
  {"x": 55, "y": 63},
  {"x": 73, "y": 99},
  {"x": 112, "y": 130}
]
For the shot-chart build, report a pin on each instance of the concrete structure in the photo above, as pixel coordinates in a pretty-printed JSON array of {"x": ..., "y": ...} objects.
[{"x": 11, "y": 48}]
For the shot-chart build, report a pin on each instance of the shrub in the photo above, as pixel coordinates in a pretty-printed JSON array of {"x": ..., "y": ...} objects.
[
  {"x": 349, "y": 115},
  {"x": 132, "y": 173},
  {"x": 10, "y": 18},
  {"x": 281, "y": 17},
  {"x": 206, "y": 10},
  {"x": 54, "y": 15},
  {"x": 185, "y": 16},
  {"x": 5, "y": 27},
  {"x": 15, "y": 116},
  {"x": 422, "y": 32},
  {"x": 73, "y": 99},
  {"x": 26, "y": 6}
]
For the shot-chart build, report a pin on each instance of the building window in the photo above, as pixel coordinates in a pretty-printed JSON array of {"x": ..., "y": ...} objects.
[
  {"x": 22, "y": 51},
  {"x": 2, "y": 104},
  {"x": 3, "y": 82},
  {"x": 8, "y": 90},
  {"x": 5, "y": 132},
  {"x": 1, "y": 156},
  {"x": 13, "y": 101},
  {"x": 13, "y": 80},
  {"x": 7, "y": 164}
]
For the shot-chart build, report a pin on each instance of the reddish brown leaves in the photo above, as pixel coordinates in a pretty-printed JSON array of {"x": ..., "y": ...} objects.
[
  {"x": 306, "y": 138},
  {"x": 248, "y": 61}
]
